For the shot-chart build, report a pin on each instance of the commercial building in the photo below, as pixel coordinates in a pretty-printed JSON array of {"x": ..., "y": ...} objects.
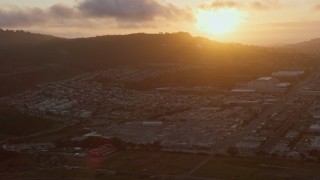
[
  {"x": 287, "y": 74},
  {"x": 101, "y": 151},
  {"x": 315, "y": 143},
  {"x": 314, "y": 128},
  {"x": 152, "y": 123},
  {"x": 242, "y": 90},
  {"x": 264, "y": 84},
  {"x": 241, "y": 102},
  {"x": 283, "y": 85}
]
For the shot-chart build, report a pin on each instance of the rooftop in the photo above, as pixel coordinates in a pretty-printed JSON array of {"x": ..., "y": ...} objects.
[
  {"x": 315, "y": 127},
  {"x": 265, "y": 79},
  {"x": 316, "y": 142},
  {"x": 288, "y": 73}
]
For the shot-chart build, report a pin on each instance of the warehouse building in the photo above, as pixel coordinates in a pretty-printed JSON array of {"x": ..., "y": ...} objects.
[
  {"x": 264, "y": 83},
  {"x": 315, "y": 128},
  {"x": 315, "y": 143},
  {"x": 287, "y": 74}
]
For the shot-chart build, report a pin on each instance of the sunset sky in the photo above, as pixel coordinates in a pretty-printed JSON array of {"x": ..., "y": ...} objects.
[{"x": 244, "y": 21}]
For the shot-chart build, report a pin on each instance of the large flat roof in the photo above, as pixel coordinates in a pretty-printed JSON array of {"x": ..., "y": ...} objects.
[
  {"x": 316, "y": 142},
  {"x": 314, "y": 127},
  {"x": 243, "y": 90},
  {"x": 265, "y": 78},
  {"x": 288, "y": 73}
]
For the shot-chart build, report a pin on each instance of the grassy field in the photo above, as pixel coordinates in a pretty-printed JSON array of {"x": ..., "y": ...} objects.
[
  {"x": 246, "y": 168},
  {"x": 126, "y": 164},
  {"x": 15, "y": 124},
  {"x": 63, "y": 134},
  {"x": 226, "y": 169},
  {"x": 152, "y": 162},
  {"x": 68, "y": 174},
  {"x": 131, "y": 164}
]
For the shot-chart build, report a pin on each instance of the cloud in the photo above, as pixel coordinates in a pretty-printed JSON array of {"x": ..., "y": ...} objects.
[
  {"x": 14, "y": 15},
  {"x": 120, "y": 12},
  {"x": 249, "y": 5},
  {"x": 61, "y": 10},
  {"x": 126, "y": 10}
]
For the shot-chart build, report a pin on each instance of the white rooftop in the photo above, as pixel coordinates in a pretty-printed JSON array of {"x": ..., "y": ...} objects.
[
  {"x": 248, "y": 145},
  {"x": 283, "y": 85},
  {"x": 241, "y": 90},
  {"x": 288, "y": 73},
  {"x": 265, "y": 78},
  {"x": 316, "y": 142},
  {"x": 315, "y": 127}
]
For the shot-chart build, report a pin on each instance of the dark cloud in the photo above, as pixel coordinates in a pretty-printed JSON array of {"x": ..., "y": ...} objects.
[
  {"x": 61, "y": 10},
  {"x": 15, "y": 16},
  {"x": 24, "y": 17},
  {"x": 138, "y": 10},
  {"x": 121, "y": 11}
]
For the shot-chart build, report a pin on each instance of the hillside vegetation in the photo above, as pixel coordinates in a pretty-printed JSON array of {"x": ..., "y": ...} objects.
[{"x": 28, "y": 59}]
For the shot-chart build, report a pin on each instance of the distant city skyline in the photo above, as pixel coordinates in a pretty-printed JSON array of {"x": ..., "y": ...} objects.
[{"x": 246, "y": 21}]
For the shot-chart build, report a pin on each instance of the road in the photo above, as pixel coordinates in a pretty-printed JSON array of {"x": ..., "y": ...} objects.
[
  {"x": 222, "y": 146},
  {"x": 284, "y": 127}
]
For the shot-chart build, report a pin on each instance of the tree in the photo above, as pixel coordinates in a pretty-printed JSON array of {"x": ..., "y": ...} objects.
[
  {"x": 274, "y": 155},
  {"x": 233, "y": 151},
  {"x": 156, "y": 145},
  {"x": 302, "y": 156},
  {"x": 261, "y": 153}
]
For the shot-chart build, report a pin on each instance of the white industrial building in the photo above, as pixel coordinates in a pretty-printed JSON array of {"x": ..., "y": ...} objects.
[
  {"x": 315, "y": 143},
  {"x": 283, "y": 85},
  {"x": 264, "y": 84},
  {"x": 288, "y": 73},
  {"x": 54, "y": 106},
  {"x": 85, "y": 114},
  {"x": 242, "y": 90},
  {"x": 314, "y": 128},
  {"x": 152, "y": 123}
]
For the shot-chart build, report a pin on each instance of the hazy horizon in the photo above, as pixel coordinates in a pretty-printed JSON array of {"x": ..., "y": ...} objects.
[{"x": 248, "y": 22}]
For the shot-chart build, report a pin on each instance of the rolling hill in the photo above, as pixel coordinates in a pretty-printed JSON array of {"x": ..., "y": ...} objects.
[
  {"x": 27, "y": 59},
  {"x": 308, "y": 47},
  {"x": 10, "y": 37}
]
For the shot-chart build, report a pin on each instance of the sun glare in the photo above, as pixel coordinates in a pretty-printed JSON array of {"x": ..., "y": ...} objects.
[{"x": 219, "y": 22}]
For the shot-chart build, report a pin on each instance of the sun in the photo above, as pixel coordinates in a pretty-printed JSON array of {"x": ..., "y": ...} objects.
[{"x": 219, "y": 22}]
